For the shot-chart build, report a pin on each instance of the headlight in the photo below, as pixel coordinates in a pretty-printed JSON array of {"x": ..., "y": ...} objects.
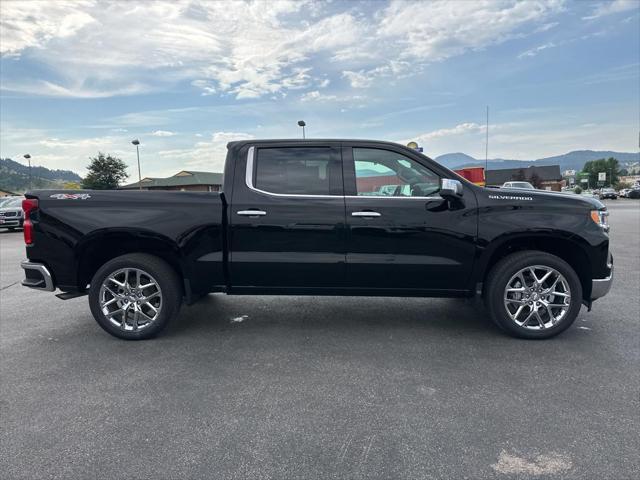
[{"x": 601, "y": 218}]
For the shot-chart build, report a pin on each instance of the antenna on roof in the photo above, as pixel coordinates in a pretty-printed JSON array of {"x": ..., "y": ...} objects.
[{"x": 486, "y": 147}]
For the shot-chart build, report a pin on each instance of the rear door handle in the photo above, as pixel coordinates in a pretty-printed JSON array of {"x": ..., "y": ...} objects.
[
  {"x": 252, "y": 213},
  {"x": 366, "y": 214}
]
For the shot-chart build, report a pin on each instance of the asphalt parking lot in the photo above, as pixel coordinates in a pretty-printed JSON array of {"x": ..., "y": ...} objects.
[{"x": 299, "y": 387}]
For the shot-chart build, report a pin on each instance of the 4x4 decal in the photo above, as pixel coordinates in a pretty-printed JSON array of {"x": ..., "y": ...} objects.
[{"x": 70, "y": 196}]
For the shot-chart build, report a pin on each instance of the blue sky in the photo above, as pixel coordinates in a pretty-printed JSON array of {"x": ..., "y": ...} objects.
[{"x": 186, "y": 77}]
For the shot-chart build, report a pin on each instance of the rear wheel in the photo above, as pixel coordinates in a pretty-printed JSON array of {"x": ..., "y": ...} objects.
[
  {"x": 533, "y": 294},
  {"x": 135, "y": 296}
]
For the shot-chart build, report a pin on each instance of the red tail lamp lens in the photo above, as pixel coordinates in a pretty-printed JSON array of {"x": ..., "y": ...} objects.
[{"x": 28, "y": 205}]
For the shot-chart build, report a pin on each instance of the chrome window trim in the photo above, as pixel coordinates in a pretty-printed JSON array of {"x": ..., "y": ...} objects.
[{"x": 248, "y": 178}]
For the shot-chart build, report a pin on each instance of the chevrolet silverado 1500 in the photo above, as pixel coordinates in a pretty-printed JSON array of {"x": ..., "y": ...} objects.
[{"x": 309, "y": 217}]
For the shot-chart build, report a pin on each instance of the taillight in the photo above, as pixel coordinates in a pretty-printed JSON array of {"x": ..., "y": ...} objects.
[{"x": 28, "y": 206}]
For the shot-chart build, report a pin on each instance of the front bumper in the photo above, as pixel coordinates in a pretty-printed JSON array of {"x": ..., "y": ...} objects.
[
  {"x": 10, "y": 222},
  {"x": 37, "y": 276},
  {"x": 601, "y": 286}
]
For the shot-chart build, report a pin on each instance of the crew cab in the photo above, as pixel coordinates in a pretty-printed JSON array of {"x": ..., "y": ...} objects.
[{"x": 307, "y": 217}]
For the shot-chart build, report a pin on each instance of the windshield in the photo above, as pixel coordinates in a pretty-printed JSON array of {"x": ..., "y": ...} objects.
[{"x": 10, "y": 202}]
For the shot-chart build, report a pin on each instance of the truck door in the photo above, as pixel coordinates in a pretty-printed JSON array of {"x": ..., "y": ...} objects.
[
  {"x": 407, "y": 237},
  {"x": 287, "y": 217}
]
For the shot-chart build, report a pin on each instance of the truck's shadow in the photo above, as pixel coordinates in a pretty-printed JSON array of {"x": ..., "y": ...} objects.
[{"x": 216, "y": 313}]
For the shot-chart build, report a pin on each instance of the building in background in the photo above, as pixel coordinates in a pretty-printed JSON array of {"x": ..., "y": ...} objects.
[
  {"x": 546, "y": 177},
  {"x": 473, "y": 174},
  {"x": 185, "y": 180},
  {"x": 630, "y": 179}
]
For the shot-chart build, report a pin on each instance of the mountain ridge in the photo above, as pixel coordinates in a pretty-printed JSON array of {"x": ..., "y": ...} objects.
[
  {"x": 573, "y": 160},
  {"x": 14, "y": 176}
]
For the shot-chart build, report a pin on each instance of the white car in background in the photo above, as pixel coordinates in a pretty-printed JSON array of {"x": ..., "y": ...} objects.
[
  {"x": 523, "y": 185},
  {"x": 11, "y": 212}
]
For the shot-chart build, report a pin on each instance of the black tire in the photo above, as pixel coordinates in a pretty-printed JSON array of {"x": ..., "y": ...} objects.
[
  {"x": 501, "y": 274},
  {"x": 165, "y": 277}
]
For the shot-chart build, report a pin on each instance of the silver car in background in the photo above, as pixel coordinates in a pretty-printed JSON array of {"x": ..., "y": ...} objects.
[{"x": 11, "y": 216}]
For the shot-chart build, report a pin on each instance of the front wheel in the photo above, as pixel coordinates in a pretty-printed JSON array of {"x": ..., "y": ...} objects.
[
  {"x": 135, "y": 296},
  {"x": 533, "y": 294}
]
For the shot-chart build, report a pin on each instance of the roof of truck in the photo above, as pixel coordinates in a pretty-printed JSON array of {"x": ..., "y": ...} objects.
[{"x": 312, "y": 140}]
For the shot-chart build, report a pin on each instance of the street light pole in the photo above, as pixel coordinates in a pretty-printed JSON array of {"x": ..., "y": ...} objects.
[
  {"x": 136, "y": 142},
  {"x": 302, "y": 124},
  {"x": 28, "y": 157}
]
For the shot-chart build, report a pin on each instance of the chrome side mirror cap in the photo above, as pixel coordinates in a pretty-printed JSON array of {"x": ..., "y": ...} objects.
[{"x": 450, "y": 188}]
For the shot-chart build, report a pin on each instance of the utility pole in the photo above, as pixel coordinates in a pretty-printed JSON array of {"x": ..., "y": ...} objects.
[{"x": 302, "y": 124}]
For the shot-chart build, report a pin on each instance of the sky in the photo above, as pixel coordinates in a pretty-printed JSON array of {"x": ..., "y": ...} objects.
[{"x": 186, "y": 77}]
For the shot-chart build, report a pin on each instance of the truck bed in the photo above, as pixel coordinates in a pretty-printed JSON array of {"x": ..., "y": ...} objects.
[{"x": 75, "y": 230}]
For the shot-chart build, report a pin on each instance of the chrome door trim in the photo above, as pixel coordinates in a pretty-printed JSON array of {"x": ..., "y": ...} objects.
[
  {"x": 366, "y": 214},
  {"x": 252, "y": 213},
  {"x": 248, "y": 178},
  {"x": 249, "y": 181}
]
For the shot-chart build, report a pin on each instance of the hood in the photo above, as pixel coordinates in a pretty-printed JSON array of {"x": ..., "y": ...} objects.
[
  {"x": 588, "y": 202},
  {"x": 11, "y": 209}
]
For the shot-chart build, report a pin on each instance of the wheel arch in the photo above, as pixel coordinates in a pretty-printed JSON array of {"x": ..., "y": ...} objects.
[
  {"x": 99, "y": 247},
  {"x": 569, "y": 248}
]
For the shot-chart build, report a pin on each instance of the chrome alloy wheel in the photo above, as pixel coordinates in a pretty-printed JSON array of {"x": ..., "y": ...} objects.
[
  {"x": 537, "y": 297},
  {"x": 130, "y": 299}
]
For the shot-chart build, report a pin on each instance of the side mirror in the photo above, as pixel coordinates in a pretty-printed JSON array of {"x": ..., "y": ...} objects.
[{"x": 450, "y": 188}]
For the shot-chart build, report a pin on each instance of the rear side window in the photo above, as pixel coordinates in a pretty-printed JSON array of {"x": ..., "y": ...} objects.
[{"x": 295, "y": 170}]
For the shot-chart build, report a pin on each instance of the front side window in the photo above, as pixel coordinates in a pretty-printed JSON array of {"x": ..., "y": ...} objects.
[
  {"x": 383, "y": 173},
  {"x": 294, "y": 170}
]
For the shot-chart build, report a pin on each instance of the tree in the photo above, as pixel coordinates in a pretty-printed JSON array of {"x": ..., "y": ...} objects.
[
  {"x": 610, "y": 166},
  {"x": 71, "y": 186},
  {"x": 535, "y": 180},
  {"x": 105, "y": 172}
]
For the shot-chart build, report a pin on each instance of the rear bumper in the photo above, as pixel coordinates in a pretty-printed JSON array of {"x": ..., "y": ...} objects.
[
  {"x": 601, "y": 286},
  {"x": 37, "y": 276}
]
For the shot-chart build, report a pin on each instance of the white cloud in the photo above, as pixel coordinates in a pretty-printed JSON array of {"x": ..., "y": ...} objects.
[
  {"x": 532, "y": 52},
  {"x": 247, "y": 49},
  {"x": 611, "y": 7},
  {"x": 461, "y": 129},
  {"x": 525, "y": 140},
  {"x": 206, "y": 86},
  {"x": 449, "y": 28},
  {"x": 315, "y": 95},
  {"x": 163, "y": 133},
  {"x": 393, "y": 68},
  {"x": 209, "y": 155},
  {"x": 33, "y": 24}
]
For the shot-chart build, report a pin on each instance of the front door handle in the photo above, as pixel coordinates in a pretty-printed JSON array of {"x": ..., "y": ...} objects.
[
  {"x": 366, "y": 214},
  {"x": 252, "y": 213}
]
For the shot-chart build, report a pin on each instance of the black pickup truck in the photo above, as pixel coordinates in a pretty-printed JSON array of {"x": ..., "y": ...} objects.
[{"x": 309, "y": 217}]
